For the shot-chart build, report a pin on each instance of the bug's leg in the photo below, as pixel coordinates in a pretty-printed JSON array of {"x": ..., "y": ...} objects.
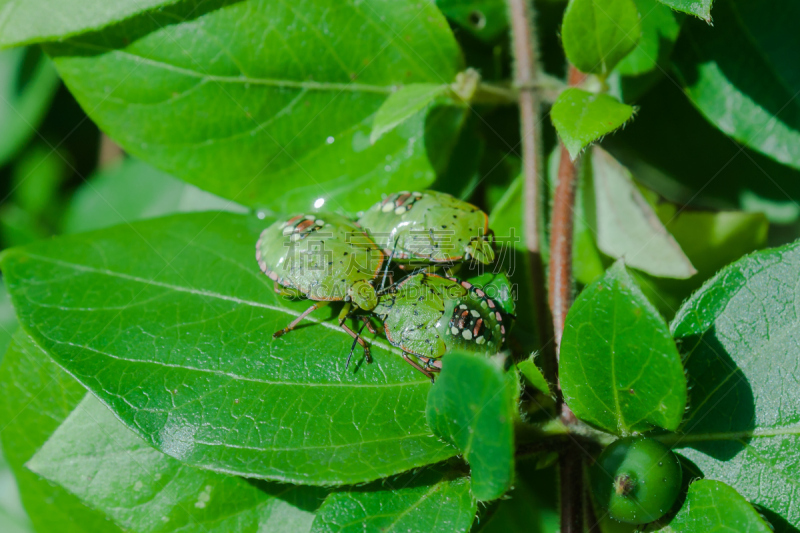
[
  {"x": 415, "y": 365},
  {"x": 299, "y": 319},
  {"x": 389, "y": 262},
  {"x": 342, "y": 317},
  {"x": 434, "y": 365},
  {"x": 368, "y": 323},
  {"x": 355, "y": 341}
]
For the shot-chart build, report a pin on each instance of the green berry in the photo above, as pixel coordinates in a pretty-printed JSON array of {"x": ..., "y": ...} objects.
[{"x": 636, "y": 479}]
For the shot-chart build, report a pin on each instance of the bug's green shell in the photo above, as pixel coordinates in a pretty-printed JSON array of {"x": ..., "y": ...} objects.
[
  {"x": 429, "y": 225},
  {"x": 322, "y": 256},
  {"x": 636, "y": 479},
  {"x": 429, "y": 315}
]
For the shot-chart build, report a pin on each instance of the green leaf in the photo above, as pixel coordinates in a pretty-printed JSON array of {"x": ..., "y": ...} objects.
[
  {"x": 170, "y": 322},
  {"x": 715, "y": 506},
  {"x": 619, "y": 368},
  {"x": 711, "y": 240},
  {"x": 472, "y": 406},
  {"x": 581, "y": 118},
  {"x": 35, "y": 397},
  {"x": 706, "y": 169},
  {"x": 37, "y": 178},
  {"x": 8, "y": 321},
  {"x": 436, "y": 499},
  {"x": 533, "y": 375},
  {"x": 597, "y": 34},
  {"x": 402, "y": 104},
  {"x": 28, "y": 82},
  {"x": 133, "y": 190},
  {"x": 739, "y": 338},
  {"x": 742, "y": 74},
  {"x": 108, "y": 467},
  {"x": 698, "y": 8},
  {"x": 486, "y": 19},
  {"x": 22, "y": 21},
  {"x": 660, "y": 29},
  {"x": 279, "y": 98},
  {"x": 628, "y": 227}
]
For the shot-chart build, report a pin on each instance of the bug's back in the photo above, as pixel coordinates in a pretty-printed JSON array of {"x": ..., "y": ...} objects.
[{"x": 321, "y": 255}]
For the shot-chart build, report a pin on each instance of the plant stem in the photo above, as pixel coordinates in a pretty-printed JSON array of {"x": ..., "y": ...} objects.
[
  {"x": 525, "y": 80},
  {"x": 560, "y": 299}
]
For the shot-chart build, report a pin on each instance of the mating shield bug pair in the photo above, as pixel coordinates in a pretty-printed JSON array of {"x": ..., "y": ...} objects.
[{"x": 326, "y": 258}]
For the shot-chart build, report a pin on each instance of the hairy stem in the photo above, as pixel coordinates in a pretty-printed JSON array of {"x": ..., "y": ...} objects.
[
  {"x": 560, "y": 299},
  {"x": 526, "y": 80}
]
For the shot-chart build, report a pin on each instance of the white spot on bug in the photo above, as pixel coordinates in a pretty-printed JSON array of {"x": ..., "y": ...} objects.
[
  {"x": 296, "y": 237},
  {"x": 467, "y": 334},
  {"x": 330, "y": 140},
  {"x": 480, "y": 340},
  {"x": 261, "y": 215},
  {"x": 475, "y": 313},
  {"x": 387, "y": 208},
  {"x": 454, "y": 330},
  {"x": 319, "y": 203},
  {"x": 319, "y": 222},
  {"x": 287, "y": 230},
  {"x": 310, "y": 217},
  {"x": 462, "y": 306},
  {"x": 400, "y": 210}
]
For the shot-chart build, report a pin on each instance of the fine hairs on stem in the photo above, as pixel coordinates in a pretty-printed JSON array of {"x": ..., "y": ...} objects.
[{"x": 525, "y": 48}]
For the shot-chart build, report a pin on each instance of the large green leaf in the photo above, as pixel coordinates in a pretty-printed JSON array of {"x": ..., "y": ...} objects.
[
  {"x": 619, "y": 367},
  {"x": 742, "y": 74},
  {"x": 108, "y": 467},
  {"x": 581, "y": 118},
  {"x": 35, "y": 397},
  {"x": 32, "y": 21},
  {"x": 271, "y": 103},
  {"x": 133, "y": 190},
  {"x": 739, "y": 337},
  {"x": 706, "y": 168},
  {"x": 473, "y": 406},
  {"x": 436, "y": 499},
  {"x": 28, "y": 82},
  {"x": 597, "y": 34},
  {"x": 627, "y": 226},
  {"x": 711, "y": 240},
  {"x": 403, "y": 104},
  {"x": 698, "y": 8},
  {"x": 170, "y": 323},
  {"x": 8, "y": 321},
  {"x": 660, "y": 29},
  {"x": 715, "y": 506}
]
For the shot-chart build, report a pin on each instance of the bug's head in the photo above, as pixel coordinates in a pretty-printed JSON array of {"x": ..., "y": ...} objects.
[
  {"x": 363, "y": 295},
  {"x": 481, "y": 249}
]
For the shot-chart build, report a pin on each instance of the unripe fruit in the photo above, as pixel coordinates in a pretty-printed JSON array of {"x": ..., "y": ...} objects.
[{"x": 636, "y": 479}]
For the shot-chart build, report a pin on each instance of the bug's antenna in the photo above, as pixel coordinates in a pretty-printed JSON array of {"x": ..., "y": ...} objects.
[{"x": 353, "y": 347}]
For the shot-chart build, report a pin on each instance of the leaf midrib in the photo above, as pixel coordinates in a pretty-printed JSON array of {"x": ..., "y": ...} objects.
[
  {"x": 203, "y": 293},
  {"x": 242, "y": 79}
]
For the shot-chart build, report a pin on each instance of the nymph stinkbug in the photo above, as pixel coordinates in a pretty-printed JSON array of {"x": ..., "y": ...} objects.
[
  {"x": 428, "y": 315},
  {"x": 430, "y": 226},
  {"x": 323, "y": 257},
  {"x": 636, "y": 479}
]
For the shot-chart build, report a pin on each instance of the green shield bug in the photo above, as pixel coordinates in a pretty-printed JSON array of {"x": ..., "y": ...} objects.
[
  {"x": 325, "y": 258},
  {"x": 428, "y": 315},
  {"x": 430, "y": 226}
]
